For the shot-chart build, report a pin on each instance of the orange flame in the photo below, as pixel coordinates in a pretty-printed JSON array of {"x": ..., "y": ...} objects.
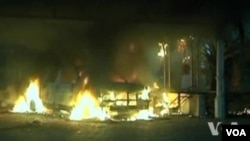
[
  {"x": 86, "y": 107},
  {"x": 24, "y": 103}
]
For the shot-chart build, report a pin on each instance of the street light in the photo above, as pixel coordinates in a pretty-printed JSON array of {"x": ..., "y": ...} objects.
[{"x": 163, "y": 53}]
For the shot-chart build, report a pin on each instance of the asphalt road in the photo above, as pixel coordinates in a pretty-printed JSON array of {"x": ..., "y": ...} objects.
[{"x": 23, "y": 127}]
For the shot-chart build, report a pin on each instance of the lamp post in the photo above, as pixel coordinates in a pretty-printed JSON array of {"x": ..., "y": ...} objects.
[{"x": 163, "y": 53}]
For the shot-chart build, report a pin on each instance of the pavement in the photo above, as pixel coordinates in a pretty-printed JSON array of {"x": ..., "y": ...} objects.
[{"x": 33, "y": 127}]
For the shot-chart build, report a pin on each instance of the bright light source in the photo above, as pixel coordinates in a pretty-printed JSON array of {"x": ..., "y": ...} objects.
[
  {"x": 32, "y": 95},
  {"x": 160, "y": 44},
  {"x": 164, "y": 45},
  {"x": 161, "y": 53}
]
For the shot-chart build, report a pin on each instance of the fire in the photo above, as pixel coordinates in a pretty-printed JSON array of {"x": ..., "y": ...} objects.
[
  {"x": 165, "y": 105},
  {"x": 86, "y": 107},
  {"x": 155, "y": 85},
  {"x": 31, "y": 101},
  {"x": 145, "y": 114},
  {"x": 165, "y": 97},
  {"x": 145, "y": 93},
  {"x": 112, "y": 95}
]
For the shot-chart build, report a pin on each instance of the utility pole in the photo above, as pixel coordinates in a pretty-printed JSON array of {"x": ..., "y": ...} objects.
[
  {"x": 163, "y": 54},
  {"x": 164, "y": 69},
  {"x": 169, "y": 70},
  {"x": 220, "y": 94}
]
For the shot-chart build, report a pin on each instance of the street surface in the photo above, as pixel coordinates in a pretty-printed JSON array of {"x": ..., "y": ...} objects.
[{"x": 24, "y": 127}]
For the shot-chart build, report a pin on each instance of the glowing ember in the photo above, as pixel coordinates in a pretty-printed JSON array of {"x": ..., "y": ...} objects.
[
  {"x": 31, "y": 101},
  {"x": 87, "y": 107}
]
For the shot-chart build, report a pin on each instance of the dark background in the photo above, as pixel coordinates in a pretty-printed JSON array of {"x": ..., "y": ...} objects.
[{"x": 95, "y": 43}]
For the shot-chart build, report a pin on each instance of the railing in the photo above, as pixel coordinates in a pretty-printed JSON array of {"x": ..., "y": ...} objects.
[
  {"x": 182, "y": 99},
  {"x": 127, "y": 102}
]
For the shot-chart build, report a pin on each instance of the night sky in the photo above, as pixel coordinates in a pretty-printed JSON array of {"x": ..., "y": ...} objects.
[{"x": 98, "y": 31}]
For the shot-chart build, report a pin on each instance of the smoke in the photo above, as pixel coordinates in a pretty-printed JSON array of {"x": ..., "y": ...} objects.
[
  {"x": 109, "y": 50},
  {"x": 136, "y": 59}
]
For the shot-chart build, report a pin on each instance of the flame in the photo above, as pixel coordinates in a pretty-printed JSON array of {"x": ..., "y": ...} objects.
[
  {"x": 145, "y": 93},
  {"x": 87, "y": 107},
  {"x": 112, "y": 95},
  {"x": 155, "y": 85},
  {"x": 165, "y": 97},
  {"x": 145, "y": 114},
  {"x": 24, "y": 103},
  {"x": 21, "y": 105},
  {"x": 85, "y": 81}
]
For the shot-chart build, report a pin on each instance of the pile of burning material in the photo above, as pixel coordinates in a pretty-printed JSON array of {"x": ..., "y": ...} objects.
[{"x": 30, "y": 102}]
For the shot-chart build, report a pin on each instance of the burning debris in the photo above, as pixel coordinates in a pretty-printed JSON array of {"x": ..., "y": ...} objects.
[
  {"x": 30, "y": 102},
  {"x": 131, "y": 100},
  {"x": 87, "y": 107}
]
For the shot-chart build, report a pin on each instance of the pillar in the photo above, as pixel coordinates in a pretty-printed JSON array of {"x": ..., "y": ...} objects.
[{"x": 220, "y": 95}]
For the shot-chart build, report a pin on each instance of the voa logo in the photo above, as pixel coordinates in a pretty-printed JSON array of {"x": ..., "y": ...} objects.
[
  {"x": 214, "y": 128},
  {"x": 236, "y": 132}
]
